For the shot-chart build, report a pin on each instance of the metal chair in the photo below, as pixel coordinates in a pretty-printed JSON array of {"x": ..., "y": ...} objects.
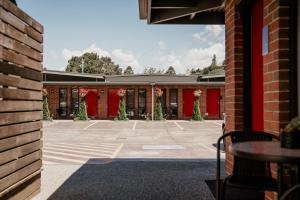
[
  {"x": 246, "y": 174},
  {"x": 291, "y": 193}
]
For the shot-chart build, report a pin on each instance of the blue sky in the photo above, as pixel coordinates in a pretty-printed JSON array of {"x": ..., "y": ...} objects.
[{"x": 112, "y": 28}]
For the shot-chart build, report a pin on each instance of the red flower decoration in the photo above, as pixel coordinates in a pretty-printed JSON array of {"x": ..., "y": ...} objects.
[
  {"x": 44, "y": 92},
  {"x": 83, "y": 92},
  {"x": 158, "y": 92},
  {"x": 121, "y": 92}
]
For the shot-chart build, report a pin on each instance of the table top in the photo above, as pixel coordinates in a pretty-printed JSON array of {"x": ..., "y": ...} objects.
[{"x": 266, "y": 151}]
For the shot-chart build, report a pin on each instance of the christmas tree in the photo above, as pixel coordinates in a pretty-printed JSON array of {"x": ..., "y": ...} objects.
[
  {"x": 158, "y": 115},
  {"x": 121, "y": 112},
  {"x": 196, "y": 111},
  {"x": 46, "y": 112},
  {"x": 82, "y": 113}
]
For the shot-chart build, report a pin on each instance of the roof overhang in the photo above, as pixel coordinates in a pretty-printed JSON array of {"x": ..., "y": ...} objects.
[{"x": 182, "y": 11}]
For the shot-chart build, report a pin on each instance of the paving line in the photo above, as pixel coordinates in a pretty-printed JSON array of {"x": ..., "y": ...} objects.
[
  {"x": 89, "y": 125},
  {"x": 88, "y": 146},
  {"x": 134, "y": 125},
  {"x": 180, "y": 127},
  {"x": 47, "y": 152},
  {"x": 47, "y": 149},
  {"x": 49, "y": 163},
  {"x": 114, "y": 155},
  {"x": 64, "y": 159},
  {"x": 81, "y": 149},
  {"x": 209, "y": 148}
]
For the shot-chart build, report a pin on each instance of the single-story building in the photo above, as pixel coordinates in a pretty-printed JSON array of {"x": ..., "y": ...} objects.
[{"x": 102, "y": 100}]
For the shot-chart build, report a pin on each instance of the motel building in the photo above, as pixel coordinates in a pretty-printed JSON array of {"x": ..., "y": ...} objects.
[
  {"x": 262, "y": 73},
  {"x": 103, "y": 101}
]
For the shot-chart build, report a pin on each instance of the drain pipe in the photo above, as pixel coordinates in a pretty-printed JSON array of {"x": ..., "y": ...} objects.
[{"x": 152, "y": 101}]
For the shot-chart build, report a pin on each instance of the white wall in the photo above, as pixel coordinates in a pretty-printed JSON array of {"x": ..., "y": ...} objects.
[{"x": 298, "y": 58}]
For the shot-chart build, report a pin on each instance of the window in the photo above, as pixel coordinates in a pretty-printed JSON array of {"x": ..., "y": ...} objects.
[
  {"x": 75, "y": 101},
  {"x": 130, "y": 102},
  {"x": 173, "y": 103},
  {"x": 142, "y": 102},
  {"x": 62, "y": 111}
]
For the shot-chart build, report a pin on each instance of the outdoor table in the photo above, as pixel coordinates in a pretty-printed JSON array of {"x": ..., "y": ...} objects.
[{"x": 268, "y": 151}]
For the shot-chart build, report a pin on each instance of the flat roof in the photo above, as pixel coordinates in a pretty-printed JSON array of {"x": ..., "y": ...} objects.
[{"x": 182, "y": 11}]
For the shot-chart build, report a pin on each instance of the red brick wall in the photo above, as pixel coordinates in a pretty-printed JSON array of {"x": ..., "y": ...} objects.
[{"x": 103, "y": 101}]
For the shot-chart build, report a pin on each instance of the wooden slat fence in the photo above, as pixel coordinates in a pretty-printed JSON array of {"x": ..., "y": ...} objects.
[{"x": 21, "y": 56}]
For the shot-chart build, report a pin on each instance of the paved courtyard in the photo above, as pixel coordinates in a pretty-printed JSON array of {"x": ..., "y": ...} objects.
[{"x": 75, "y": 153}]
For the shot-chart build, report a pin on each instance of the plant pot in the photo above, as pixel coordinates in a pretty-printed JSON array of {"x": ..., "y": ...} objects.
[{"x": 290, "y": 140}]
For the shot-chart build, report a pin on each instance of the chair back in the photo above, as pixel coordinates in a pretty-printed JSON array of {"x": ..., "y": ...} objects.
[{"x": 246, "y": 168}]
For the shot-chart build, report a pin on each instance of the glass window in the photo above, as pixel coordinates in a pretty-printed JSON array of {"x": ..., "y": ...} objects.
[
  {"x": 75, "y": 101},
  {"x": 142, "y": 102},
  {"x": 173, "y": 103},
  {"x": 62, "y": 111},
  {"x": 130, "y": 102}
]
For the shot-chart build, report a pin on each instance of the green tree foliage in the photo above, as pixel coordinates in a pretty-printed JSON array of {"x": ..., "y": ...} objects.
[
  {"x": 158, "y": 115},
  {"x": 46, "y": 112},
  {"x": 196, "y": 110},
  {"x": 128, "y": 71},
  {"x": 82, "y": 114},
  {"x": 121, "y": 112},
  {"x": 212, "y": 69},
  {"x": 170, "y": 71},
  {"x": 152, "y": 71},
  {"x": 94, "y": 64}
]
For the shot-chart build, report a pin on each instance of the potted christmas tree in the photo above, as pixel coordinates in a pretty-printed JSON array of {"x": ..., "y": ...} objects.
[
  {"x": 121, "y": 112},
  {"x": 196, "y": 110},
  {"x": 158, "y": 115},
  {"x": 46, "y": 112},
  {"x": 82, "y": 113},
  {"x": 290, "y": 136}
]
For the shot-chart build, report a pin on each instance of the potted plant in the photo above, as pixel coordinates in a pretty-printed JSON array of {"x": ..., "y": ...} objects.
[
  {"x": 290, "y": 136},
  {"x": 46, "y": 112},
  {"x": 82, "y": 113},
  {"x": 158, "y": 115},
  {"x": 121, "y": 111},
  {"x": 196, "y": 110}
]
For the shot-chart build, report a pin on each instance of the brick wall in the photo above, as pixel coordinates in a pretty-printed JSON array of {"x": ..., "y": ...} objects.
[{"x": 103, "y": 102}]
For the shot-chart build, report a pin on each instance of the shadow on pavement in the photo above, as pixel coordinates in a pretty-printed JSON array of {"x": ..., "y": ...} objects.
[{"x": 140, "y": 180}]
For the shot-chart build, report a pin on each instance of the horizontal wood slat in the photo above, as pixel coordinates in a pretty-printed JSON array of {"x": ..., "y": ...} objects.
[
  {"x": 19, "y": 140},
  {"x": 17, "y": 129},
  {"x": 20, "y": 48},
  {"x": 22, "y": 15},
  {"x": 13, "y": 106},
  {"x": 19, "y": 82},
  {"x": 15, "y": 165},
  {"x": 18, "y": 24},
  {"x": 19, "y": 71},
  {"x": 19, "y": 59},
  {"x": 18, "y": 152},
  {"x": 20, "y": 94},
  {"x": 18, "y": 117},
  {"x": 19, "y": 175},
  {"x": 19, "y": 36}
]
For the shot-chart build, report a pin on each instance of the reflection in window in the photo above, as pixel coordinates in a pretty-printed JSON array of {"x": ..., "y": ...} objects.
[
  {"x": 142, "y": 102},
  {"x": 62, "y": 111},
  {"x": 130, "y": 102},
  {"x": 75, "y": 101},
  {"x": 173, "y": 103}
]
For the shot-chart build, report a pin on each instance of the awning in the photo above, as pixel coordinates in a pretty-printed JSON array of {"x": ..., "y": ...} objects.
[{"x": 182, "y": 11}]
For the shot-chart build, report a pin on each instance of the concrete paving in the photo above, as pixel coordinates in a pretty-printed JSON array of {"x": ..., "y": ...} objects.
[{"x": 77, "y": 155}]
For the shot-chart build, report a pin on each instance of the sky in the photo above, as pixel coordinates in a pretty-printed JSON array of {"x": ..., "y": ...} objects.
[{"x": 113, "y": 28}]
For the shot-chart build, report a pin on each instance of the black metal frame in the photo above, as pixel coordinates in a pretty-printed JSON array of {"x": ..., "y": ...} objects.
[
  {"x": 253, "y": 134},
  {"x": 290, "y": 192}
]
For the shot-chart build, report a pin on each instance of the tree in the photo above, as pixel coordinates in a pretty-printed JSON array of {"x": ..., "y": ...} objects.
[
  {"x": 197, "y": 71},
  {"x": 82, "y": 113},
  {"x": 121, "y": 111},
  {"x": 46, "y": 112},
  {"x": 158, "y": 115},
  {"x": 92, "y": 63},
  {"x": 128, "y": 71},
  {"x": 196, "y": 110},
  {"x": 153, "y": 71},
  {"x": 170, "y": 71}
]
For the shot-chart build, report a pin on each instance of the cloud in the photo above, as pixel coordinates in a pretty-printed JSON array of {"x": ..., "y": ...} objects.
[
  {"x": 193, "y": 58},
  {"x": 124, "y": 58},
  {"x": 211, "y": 34},
  {"x": 162, "y": 45},
  {"x": 67, "y": 54}
]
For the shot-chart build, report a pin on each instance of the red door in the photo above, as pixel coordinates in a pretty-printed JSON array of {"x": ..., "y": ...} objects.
[
  {"x": 188, "y": 102},
  {"x": 257, "y": 67},
  {"x": 92, "y": 103},
  {"x": 213, "y": 101},
  {"x": 113, "y": 103}
]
